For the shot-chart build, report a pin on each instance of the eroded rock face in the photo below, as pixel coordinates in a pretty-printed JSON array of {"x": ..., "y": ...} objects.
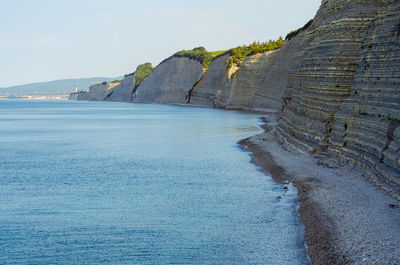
[
  {"x": 366, "y": 129},
  {"x": 96, "y": 92},
  {"x": 345, "y": 93},
  {"x": 262, "y": 81},
  {"x": 170, "y": 82},
  {"x": 326, "y": 70},
  {"x": 213, "y": 89},
  {"x": 124, "y": 91}
]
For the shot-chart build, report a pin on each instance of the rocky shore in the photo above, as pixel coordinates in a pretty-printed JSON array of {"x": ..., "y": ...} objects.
[{"x": 347, "y": 219}]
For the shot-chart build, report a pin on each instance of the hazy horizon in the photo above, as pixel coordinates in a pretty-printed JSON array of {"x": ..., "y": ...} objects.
[{"x": 51, "y": 40}]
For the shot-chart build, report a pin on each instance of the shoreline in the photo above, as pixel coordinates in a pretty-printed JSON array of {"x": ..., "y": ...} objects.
[{"x": 347, "y": 219}]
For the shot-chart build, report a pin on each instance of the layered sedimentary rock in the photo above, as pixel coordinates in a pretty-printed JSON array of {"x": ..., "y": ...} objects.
[
  {"x": 343, "y": 99},
  {"x": 366, "y": 130},
  {"x": 325, "y": 72},
  {"x": 211, "y": 89},
  {"x": 124, "y": 91},
  {"x": 261, "y": 82},
  {"x": 170, "y": 82},
  {"x": 97, "y": 92}
]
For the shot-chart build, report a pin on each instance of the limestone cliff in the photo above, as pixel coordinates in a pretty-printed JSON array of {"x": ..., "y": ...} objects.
[
  {"x": 124, "y": 91},
  {"x": 170, "y": 82},
  {"x": 97, "y": 92},
  {"x": 366, "y": 130},
  {"x": 210, "y": 90},
  {"x": 260, "y": 82},
  {"x": 344, "y": 95}
]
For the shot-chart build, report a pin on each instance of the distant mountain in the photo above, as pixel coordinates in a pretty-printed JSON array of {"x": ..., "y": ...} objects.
[{"x": 57, "y": 87}]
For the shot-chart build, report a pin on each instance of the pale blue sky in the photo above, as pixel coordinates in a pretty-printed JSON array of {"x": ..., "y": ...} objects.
[{"x": 42, "y": 40}]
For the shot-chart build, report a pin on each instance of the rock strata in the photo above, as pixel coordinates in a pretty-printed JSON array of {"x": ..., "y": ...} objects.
[
  {"x": 124, "y": 91},
  {"x": 366, "y": 129},
  {"x": 344, "y": 100},
  {"x": 211, "y": 90},
  {"x": 170, "y": 82}
]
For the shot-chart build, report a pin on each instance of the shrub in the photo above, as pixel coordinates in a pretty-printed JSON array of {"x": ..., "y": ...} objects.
[
  {"x": 241, "y": 52},
  {"x": 142, "y": 71},
  {"x": 200, "y": 54}
]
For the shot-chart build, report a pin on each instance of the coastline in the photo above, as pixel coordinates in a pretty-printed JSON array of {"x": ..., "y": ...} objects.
[{"x": 347, "y": 219}]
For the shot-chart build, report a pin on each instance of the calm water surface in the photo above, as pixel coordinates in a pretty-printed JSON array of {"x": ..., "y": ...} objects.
[{"x": 114, "y": 183}]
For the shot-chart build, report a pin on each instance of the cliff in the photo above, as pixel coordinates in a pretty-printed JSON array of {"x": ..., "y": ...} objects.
[
  {"x": 97, "y": 92},
  {"x": 260, "y": 82},
  {"x": 262, "y": 79},
  {"x": 122, "y": 92},
  {"x": 170, "y": 82},
  {"x": 209, "y": 91},
  {"x": 343, "y": 103},
  {"x": 366, "y": 129}
]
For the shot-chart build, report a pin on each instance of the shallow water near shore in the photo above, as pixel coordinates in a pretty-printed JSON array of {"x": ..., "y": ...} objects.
[{"x": 115, "y": 183}]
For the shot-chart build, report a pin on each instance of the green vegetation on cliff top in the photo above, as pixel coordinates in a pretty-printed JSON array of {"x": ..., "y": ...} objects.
[
  {"x": 142, "y": 71},
  {"x": 218, "y": 53},
  {"x": 200, "y": 54},
  {"x": 239, "y": 53}
]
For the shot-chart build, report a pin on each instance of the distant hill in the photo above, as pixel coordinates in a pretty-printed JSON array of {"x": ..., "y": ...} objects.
[{"x": 56, "y": 87}]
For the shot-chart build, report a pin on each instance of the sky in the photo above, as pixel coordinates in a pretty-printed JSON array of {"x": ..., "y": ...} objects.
[{"x": 43, "y": 40}]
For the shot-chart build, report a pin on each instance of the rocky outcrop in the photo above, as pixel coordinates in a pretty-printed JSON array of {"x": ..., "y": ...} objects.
[
  {"x": 97, "y": 92},
  {"x": 342, "y": 103},
  {"x": 214, "y": 87},
  {"x": 170, "y": 82},
  {"x": 124, "y": 91},
  {"x": 325, "y": 74},
  {"x": 260, "y": 83},
  {"x": 76, "y": 95},
  {"x": 366, "y": 130}
]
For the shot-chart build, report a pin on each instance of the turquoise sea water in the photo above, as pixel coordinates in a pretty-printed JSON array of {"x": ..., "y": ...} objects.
[{"x": 115, "y": 183}]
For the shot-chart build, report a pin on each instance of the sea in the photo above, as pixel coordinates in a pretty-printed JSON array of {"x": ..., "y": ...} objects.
[{"x": 119, "y": 183}]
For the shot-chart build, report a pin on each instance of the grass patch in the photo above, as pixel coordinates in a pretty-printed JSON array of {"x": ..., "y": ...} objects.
[
  {"x": 142, "y": 71},
  {"x": 218, "y": 53},
  {"x": 239, "y": 53}
]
